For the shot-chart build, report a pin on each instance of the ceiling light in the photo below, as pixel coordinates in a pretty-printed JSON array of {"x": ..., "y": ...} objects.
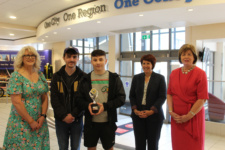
[
  {"x": 68, "y": 28},
  {"x": 190, "y": 9},
  {"x": 11, "y": 34},
  {"x": 43, "y": 39},
  {"x": 141, "y": 15},
  {"x": 12, "y": 17},
  {"x": 98, "y": 21},
  {"x": 54, "y": 32},
  {"x": 46, "y": 36}
]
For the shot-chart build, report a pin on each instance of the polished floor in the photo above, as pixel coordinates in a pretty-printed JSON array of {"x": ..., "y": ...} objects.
[{"x": 123, "y": 142}]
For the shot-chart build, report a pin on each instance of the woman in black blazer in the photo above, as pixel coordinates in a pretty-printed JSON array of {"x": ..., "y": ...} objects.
[{"x": 147, "y": 95}]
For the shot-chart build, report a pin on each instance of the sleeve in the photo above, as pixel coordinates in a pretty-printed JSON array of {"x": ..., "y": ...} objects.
[
  {"x": 132, "y": 95},
  {"x": 59, "y": 109},
  {"x": 81, "y": 99},
  {"x": 15, "y": 85},
  {"x": 120, "y": 96},
  {"x": 202, "y": 86},
  {"x": 46, "y": 89},
  {"x": 161, "y": 94}
]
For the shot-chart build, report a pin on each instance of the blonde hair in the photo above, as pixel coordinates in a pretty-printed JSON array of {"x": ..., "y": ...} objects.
[
  {"x": 185, "y": 48},
  {"x": 18, "y": 63}
]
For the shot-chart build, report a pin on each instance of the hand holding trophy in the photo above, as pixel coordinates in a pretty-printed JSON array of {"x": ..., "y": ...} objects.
[{"x": 94, "y": 94}]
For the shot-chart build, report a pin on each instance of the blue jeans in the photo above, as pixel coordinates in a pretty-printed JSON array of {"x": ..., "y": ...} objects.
[{"x": 65, "y": 131}]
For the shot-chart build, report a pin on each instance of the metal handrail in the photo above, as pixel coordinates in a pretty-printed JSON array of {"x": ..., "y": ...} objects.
[{"x": 215, "y": 81}]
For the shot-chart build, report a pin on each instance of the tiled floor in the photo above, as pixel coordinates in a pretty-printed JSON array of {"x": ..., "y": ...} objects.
[{"x": 212, "y": 142}]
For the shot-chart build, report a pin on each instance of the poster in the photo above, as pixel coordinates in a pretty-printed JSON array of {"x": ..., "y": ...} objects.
[{"x": 7, "y": 59}]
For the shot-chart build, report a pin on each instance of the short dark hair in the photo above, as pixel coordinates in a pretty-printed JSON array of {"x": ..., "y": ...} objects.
[
  {"x": 150, "y": 58},
  {"x": 98, "y": 52},
  {"x": 185, "y": 48},
  {"x": 71, "y": 51}
]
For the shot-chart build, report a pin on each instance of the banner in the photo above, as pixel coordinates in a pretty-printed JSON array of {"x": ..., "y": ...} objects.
[{"x": 7, "y": 59}]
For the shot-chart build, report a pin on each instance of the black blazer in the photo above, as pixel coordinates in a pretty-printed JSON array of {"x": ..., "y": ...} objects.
[{"x": 156, "y": 94}]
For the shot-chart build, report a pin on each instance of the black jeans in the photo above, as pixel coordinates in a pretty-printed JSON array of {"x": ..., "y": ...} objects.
[{"x": 145, "y": 129}]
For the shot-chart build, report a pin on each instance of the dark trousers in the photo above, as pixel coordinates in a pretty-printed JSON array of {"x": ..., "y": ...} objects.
[{"x": 144, "y": 130}]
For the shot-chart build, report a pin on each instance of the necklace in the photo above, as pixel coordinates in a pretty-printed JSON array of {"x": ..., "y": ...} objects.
[{"x": 186, "y": 72}]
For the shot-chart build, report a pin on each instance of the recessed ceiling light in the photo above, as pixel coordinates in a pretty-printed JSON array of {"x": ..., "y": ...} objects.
[
  {"x": 11, "y": 34},
  {"x": 190, "y": 9},
  {"x": 141, "y": 15},
  {"x": 46, "y": 36},
  {"x": 54, "y": 32},
  {"x": 43, "y": 39},
  {"x": 98, "y": 21},
  {"x": 68, "y": 28},
  {"x": 12, "y": 17}
]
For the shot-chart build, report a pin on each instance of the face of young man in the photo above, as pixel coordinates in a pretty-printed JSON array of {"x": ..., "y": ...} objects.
[
  {"x": 98, "y": 63},
  {"x": 71, "y": 60}
]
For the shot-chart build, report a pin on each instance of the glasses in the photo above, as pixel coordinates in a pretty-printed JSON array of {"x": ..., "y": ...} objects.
[{"x": 29, "y": 56}]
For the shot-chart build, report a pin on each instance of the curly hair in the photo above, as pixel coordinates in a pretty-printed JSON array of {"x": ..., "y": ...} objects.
[
  {"x": 185, "y": 48},
  {"x": 18, "y": 63}
]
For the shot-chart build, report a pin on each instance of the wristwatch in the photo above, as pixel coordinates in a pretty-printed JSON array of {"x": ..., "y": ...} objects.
[{"x": 44, "y": 115}]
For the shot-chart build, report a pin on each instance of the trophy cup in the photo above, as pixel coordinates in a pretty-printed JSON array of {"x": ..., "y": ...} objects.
[{"x": 94, "y": 94}]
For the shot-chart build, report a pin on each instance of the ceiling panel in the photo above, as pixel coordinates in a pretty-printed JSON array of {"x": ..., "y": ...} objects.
[{"x": 31, "y": 12}]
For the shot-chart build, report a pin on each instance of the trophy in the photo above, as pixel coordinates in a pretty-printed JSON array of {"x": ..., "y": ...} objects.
[{"x": 94, "y": 94}]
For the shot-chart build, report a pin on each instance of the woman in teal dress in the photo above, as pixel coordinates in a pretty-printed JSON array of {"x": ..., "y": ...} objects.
[{"x": 27, "y": 127}]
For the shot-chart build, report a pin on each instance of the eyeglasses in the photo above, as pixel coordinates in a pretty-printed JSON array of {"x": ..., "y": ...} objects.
[{"x": 29, "y": 56}]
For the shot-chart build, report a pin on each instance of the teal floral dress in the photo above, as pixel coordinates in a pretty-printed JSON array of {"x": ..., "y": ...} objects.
[{"x": 18, "y": 133}]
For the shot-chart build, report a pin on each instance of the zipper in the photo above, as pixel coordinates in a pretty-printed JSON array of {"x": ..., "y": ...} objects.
[{"x": 69, "y": 91}]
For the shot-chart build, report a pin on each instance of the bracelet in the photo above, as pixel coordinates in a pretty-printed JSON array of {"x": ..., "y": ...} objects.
[
  {"x": 44, "y": 115},
  {"x": 192, "y": 113}
]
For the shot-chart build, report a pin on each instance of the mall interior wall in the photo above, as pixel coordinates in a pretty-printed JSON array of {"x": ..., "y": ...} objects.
[
  {"x": 193, "y": 34},
  {"x": 202, "y": 32}
]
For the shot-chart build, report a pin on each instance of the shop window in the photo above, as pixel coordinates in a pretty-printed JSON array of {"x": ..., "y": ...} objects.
[
  {"x": 137, "y": 68},
  {"x": 142, "y": 41},
  {"x": 80, "y": 62},
  {"x": 127, "y": 85},
  {"x": 104, "y": 43},
  {"x": 86, "y": 46},
  {"x": 177, "y": 37},
  {"x": 87, "y": 64},
  {"x": 78, "y": 44},
  {"x": 127, "y": 42},
  {"x": 89, "y": 45},
  {"x": 160, "y": 39},
  {"x": 126, "y": 68}
]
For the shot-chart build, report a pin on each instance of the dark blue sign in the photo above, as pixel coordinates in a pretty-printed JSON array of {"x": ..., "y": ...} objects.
[{"x": 7, "y": 59}]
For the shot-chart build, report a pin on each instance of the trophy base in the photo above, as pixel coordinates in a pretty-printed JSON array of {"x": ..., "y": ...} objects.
[{"x": 95, "y": 108}]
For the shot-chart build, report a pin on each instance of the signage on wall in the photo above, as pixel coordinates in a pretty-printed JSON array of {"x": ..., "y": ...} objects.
[
  {"x": 129, "y": 3},
  {"x": 144, "y": 37},
  {"x": 81, "y": 13},
  {"x": 7, "y": 59}
]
